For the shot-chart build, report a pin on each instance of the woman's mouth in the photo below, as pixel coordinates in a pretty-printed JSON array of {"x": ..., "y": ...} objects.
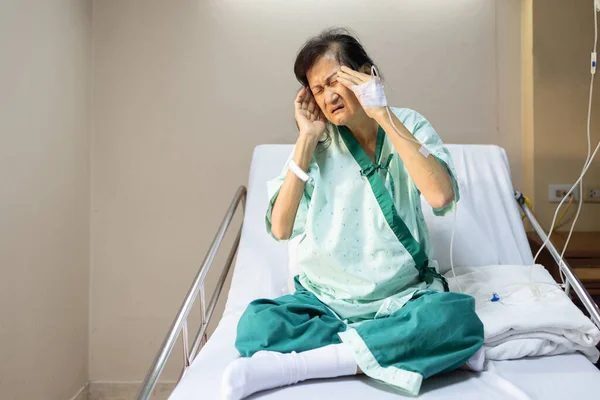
[{"x": 337, "y": 109}]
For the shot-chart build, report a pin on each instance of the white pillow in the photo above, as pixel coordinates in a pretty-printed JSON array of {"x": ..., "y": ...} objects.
[{"x": 472, "y": 246}]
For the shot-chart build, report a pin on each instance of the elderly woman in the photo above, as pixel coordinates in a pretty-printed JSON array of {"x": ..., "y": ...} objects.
[{"x": 369, "y": 299}]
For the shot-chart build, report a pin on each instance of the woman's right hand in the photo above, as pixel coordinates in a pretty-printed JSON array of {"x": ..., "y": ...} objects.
[
  {"x": 311, "y": 124},
  {"x": 311, "y": 121}
]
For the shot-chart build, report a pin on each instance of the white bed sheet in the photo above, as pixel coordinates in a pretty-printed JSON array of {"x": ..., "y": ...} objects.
[
  {"x": 557, "y": 377},
  {"x": 488, "y": 231}
]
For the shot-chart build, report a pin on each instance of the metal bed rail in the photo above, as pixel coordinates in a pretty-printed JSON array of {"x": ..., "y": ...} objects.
[
  {"x": 572, "y": 279},
  {"x": 180, "y": 324}
]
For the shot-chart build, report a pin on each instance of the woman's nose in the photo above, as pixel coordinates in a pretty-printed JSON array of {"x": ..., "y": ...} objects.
[{"x": 331, "y": 97}]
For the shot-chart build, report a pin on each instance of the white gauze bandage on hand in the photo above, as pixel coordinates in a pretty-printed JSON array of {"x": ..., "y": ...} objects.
[{"x": 371, "y": 93}]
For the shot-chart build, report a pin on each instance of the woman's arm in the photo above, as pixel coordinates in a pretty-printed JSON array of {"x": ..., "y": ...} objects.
[
  {"x": 291, "y": 192},
  {"x": 430, "y": 177},
  {"x": 311, "y": 124}
]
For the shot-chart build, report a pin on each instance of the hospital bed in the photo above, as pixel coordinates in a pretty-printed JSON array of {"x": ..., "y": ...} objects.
[{"x": 489, "y": 231}]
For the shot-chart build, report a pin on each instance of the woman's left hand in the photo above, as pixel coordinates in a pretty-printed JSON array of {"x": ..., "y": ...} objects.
[{"x": 349, "y": 77}]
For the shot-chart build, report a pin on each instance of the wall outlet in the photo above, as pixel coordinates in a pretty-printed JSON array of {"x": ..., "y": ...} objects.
[
  {"x": 558, "y": 191},
  {"x": 591, "y": 194}
]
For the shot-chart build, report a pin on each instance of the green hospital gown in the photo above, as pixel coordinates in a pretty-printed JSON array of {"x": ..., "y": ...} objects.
[
  {"x": 365, "y": 267},
  {"x": 348, "y": 255}
]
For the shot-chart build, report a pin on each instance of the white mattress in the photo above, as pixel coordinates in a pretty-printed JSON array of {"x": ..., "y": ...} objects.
[{"x": 488, "y": 231}]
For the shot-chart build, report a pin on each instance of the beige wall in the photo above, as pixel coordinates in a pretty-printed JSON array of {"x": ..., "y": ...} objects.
[
  {"x": 562, "y": 41},
  {"x": 44, "y": 198},
  {"x": 183, "y": 91}
]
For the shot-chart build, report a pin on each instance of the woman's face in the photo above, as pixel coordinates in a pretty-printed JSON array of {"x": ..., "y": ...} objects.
[{"x": 338, "y": 103}]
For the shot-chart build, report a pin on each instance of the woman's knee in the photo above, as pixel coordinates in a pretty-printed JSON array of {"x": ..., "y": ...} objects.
[
  {"x": 456, "y": 311},
  {"x": 252, "y": 331},
  {"x": 466, "y": 319},
  {"x": 284, "y": 325}
]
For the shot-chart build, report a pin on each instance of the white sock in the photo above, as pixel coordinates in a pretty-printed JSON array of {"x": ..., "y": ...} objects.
[
  {"x": 269, "y": 369},
  {"x": 477, "y": 361}
]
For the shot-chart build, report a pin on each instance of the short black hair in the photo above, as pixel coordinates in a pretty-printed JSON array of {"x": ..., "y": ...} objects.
[{"x": 337, "y": 41}]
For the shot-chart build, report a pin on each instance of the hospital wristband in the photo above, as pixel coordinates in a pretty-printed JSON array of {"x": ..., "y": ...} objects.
[{"x": 303, "y": 176}]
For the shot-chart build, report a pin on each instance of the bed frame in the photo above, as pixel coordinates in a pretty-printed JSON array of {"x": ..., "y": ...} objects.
[{"x": 197, "y": 289}]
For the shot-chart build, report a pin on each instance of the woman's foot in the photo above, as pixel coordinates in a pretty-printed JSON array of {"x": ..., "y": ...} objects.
[
  {"x": 268, "y": 369},
  {"x": 477, "y": 361}
]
